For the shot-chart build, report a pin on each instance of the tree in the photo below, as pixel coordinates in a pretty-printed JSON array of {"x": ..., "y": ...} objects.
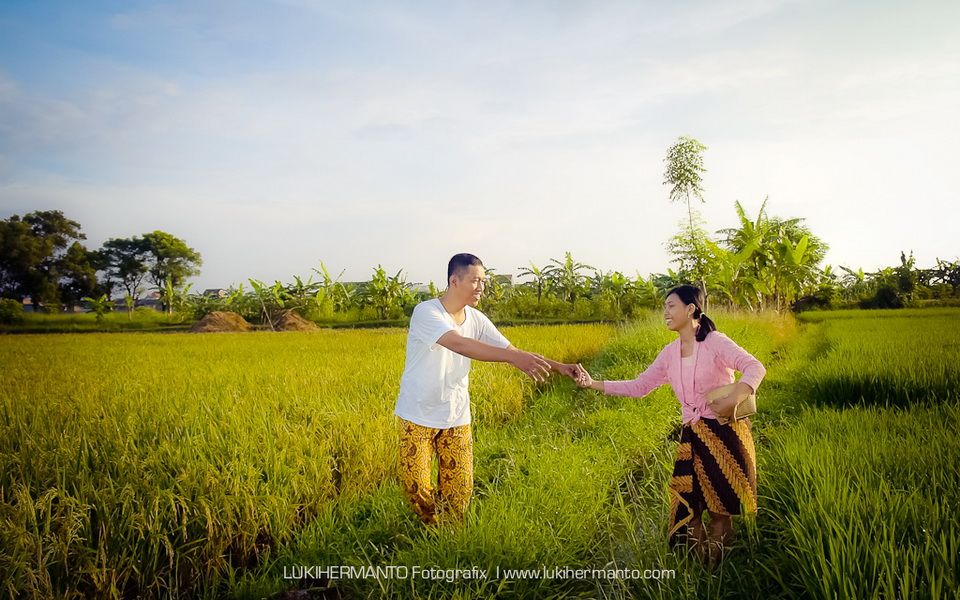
[
  {"x": 272, "y": 300},
  {"x": 691, "y": 250},
  {"x": 78, "y": 277},
  {"x": 683, "y": 173},
  {"x": 170, "y": 258},
  {"x": 907, "y": 275},
  {"x": 124, "y": 260},
  {"x": 33, "y": 250},
  {"x": 854, "y": 284},
  {"x": 614, "y": 285},
  {"x": 494, "y": 290},
  {"x": 796, "y": 257},
  {"x": 948, "y": 273}
]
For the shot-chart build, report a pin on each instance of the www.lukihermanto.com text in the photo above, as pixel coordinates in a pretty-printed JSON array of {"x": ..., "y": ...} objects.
[{"x": 440, "y": 574}]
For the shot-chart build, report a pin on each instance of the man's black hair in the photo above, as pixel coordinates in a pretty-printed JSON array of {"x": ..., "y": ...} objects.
[{"x": 460, "y": 262}]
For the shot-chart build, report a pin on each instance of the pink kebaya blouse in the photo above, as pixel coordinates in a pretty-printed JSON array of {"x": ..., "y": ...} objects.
[{"x": 714, "y": 361}]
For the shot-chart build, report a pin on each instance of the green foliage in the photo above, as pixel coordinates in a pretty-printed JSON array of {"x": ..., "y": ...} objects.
[
  {"x": 40, "y": 257},
  {"x": 170, "y": 258},
  {"x": 770, "y": 261},
  {"x": 387, "y": 295},
  {"x": 100, "y": 306},
  {"x": 125, "y": 262},
  {"x": 683, "y": 173},
  {"x": 11, "y": 311},
  {"x": 204, "y": 476},
  {"x": 684, "y": 169}
]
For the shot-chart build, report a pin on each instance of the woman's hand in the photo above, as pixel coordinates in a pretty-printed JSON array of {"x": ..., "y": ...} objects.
[
  {"x": 727, "y": 406},
  {"x": 584, "y": 379}
]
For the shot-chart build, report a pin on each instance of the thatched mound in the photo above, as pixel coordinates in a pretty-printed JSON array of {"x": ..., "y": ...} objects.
[
  {"x": 291, "y": 321},
  {"x": 220, "y": 321}
]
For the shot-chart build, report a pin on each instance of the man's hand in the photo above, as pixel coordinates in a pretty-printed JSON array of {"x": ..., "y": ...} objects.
[
  {"x": 532, "y": 364},
  {"x": 569, "y": 370}
]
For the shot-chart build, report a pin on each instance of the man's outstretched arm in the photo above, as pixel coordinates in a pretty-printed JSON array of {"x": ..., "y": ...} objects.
[{"x": 532, "y": 364}]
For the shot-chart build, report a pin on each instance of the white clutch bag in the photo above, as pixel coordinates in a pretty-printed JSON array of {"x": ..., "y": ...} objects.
[{"x": 744, "y": 408}]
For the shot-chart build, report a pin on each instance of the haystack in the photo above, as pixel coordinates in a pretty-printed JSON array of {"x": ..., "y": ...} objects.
[
  {"x": 220, "y": 321},
  {"x": 291, "y": 321}
]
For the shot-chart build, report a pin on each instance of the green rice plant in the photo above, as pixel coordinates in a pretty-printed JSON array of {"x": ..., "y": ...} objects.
[
  {"x": 862, "y": 503},
  {"x": 156, "y": 465},
  {"x": 901, "y": 358},
  {"x": 549, "y": 490},
  {"x": 162, "y": 464}
]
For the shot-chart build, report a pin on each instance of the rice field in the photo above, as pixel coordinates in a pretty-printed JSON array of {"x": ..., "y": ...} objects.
[{"x": 216, "y": 465}]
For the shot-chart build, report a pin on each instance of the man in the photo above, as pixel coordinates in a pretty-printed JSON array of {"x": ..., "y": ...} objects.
[{"x": 434, "y": 402}]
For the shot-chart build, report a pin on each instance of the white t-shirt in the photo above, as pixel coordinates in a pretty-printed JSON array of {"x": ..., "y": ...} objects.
[{"x": 433, "y": 389}]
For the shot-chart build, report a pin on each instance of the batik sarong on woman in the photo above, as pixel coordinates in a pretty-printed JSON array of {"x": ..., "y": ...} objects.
[{"x": 715, "y": 470}]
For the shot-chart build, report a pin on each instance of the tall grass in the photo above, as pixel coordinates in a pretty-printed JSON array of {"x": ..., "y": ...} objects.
[
  {"x": 142, "y": 319},
  {"x": 862, "y": 503},
  {"x": 156, "y": 465},
  {"x": 900, "y": 359}
]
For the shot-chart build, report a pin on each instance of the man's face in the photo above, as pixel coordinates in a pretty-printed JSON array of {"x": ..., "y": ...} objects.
[{"x": 469, "y": 284}]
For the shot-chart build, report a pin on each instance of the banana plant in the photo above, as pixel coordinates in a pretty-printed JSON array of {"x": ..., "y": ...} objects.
[
  {"x": 568, "y": 278},
  {"x": 271, "y": 299},
  {"x": 387, "y": 294},
  {"x": 541, "y": 279},
  {"x": 129, "y": 302},
  {"x": 300, "y": 293},
  {"x": 171, "y": 295},
  {"x": 341, "y": 295},
  {"x": 100, "y": 306}
]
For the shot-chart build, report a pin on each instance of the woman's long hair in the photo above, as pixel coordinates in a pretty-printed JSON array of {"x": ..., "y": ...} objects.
[{"x": 691, "y": 294}]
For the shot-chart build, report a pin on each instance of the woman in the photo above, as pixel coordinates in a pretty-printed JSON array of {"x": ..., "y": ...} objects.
[{"x": 715, "y": 467}]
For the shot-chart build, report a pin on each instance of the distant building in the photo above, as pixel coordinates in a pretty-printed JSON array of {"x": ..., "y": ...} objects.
[
  {"x": 216, "y": 293},
  {"x": 151, "y": 300}
]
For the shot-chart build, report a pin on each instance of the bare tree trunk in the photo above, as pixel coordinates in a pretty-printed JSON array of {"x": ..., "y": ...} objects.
[{"x": 696, "y": 249}]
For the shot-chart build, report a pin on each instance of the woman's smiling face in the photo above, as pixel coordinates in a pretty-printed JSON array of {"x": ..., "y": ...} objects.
[{"x": 676, "y": 313}]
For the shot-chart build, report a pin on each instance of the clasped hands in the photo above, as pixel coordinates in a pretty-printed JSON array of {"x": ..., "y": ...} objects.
[{"x": 579, "y": 375}]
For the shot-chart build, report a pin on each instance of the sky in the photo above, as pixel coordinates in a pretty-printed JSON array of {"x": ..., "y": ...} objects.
[{"x": 273, "y": 135}]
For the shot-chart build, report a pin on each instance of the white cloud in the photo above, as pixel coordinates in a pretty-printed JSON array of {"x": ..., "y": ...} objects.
[{"x": 548, "y": 138}]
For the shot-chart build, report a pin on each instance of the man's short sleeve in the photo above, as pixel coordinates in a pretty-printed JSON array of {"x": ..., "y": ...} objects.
[
  {"x": 489, "y": 334},
  {"x": 428, "y": 323}
]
